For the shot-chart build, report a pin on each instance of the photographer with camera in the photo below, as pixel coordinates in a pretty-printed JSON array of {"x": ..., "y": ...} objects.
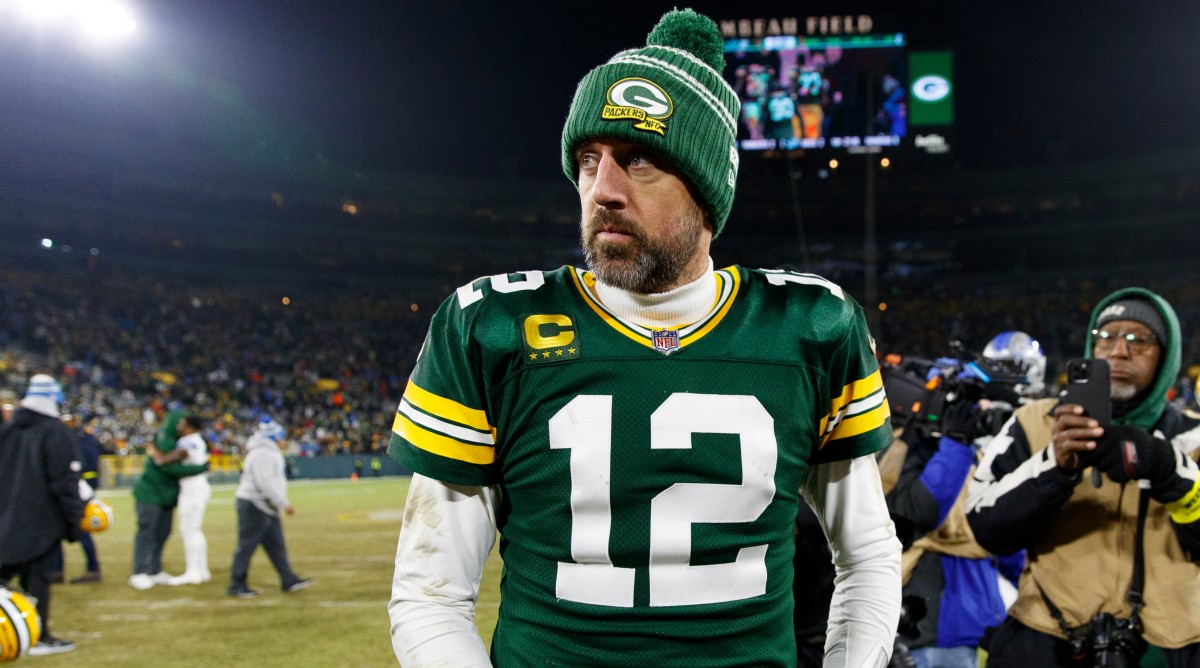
[
  {"x": 1106, "y": 512},
  {"x": 958, "y": 581}
]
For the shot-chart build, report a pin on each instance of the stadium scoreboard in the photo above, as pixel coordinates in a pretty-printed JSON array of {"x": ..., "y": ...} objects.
[{"x": 832, "y": 84}]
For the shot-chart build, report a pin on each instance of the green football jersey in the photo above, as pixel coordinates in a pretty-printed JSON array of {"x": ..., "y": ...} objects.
[{"x": 650, "y": 478}]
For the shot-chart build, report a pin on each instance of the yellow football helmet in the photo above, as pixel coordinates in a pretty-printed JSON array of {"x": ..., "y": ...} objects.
[
  {"x": 20, "y": 626},
  {"x": 97, "y": 516}
]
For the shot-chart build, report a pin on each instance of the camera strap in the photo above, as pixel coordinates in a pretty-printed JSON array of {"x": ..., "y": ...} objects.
[
  {"x": 1139, "y": 556},
  {"x": 1055, "y": 612}
]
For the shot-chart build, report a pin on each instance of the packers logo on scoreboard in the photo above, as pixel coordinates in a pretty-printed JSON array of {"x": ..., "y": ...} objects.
[
  {"x": 641, "y": 100},
  {"x": 550, "y": 337}
]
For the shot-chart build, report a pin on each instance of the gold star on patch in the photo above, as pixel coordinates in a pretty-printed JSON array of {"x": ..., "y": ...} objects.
[
  {"x": 532, "y": 356},
  {"x": 558, "y": 353},
  {"x": 546, "y": 355},
  {"x": 571, "y": 350}
]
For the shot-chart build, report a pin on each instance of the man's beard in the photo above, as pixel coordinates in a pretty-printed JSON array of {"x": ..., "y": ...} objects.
[
  {"x": 1122, "y": 391},
  {"x": 641, "y": 264}
]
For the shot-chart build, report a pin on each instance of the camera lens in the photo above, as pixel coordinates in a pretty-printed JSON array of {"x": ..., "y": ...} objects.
[{"x": 1079, "y": 371}]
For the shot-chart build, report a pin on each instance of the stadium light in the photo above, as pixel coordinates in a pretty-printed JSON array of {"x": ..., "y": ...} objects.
[
  {"x": 104, "y": 20},
  {"x": 41, "y": 12}
]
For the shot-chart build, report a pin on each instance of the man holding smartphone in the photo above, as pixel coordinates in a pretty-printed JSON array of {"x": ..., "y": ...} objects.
[{"x": 1112, "y": 557}]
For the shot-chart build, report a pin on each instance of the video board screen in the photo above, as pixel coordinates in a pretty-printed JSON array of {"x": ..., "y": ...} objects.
[{"x": 799, "y": 92}]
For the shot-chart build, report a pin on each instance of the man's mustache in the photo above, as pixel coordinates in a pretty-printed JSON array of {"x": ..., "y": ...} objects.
[{"x": 604, "y": 220}]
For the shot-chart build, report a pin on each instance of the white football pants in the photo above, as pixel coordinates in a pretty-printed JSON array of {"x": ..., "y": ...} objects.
[{"x": 194, "y": 494}]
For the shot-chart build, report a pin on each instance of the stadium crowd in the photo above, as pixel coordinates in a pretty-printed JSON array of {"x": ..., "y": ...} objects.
[
  {"x": 332, "y": 366},
  {"x": 330, "y": 369}
]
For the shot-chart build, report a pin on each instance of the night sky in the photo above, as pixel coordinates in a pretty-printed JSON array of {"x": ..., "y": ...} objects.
[{"x": 481, "y": 89}]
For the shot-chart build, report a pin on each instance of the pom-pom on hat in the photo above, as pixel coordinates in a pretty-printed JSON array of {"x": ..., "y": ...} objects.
[{"x": 669, "y": 96}]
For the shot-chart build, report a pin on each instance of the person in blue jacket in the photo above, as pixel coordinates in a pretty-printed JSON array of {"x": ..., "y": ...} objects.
[{"x": 966, "y": 590}]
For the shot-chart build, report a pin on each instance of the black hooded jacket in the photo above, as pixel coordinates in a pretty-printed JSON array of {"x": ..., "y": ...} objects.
[{"x": 39, "y": 486}]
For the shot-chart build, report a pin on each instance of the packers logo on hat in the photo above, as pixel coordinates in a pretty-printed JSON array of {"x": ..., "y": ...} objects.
[{"x": 641, "y": 100}]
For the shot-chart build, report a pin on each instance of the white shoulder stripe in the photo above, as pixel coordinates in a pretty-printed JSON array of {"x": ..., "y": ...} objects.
[
  {"x": 856, "y": 407},
  {"x": 867, "y": 403},
  {"x": 453, "y": 430}
]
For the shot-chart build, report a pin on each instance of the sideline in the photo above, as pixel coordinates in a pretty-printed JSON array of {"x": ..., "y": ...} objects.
[{"x": 107, "y": 492}]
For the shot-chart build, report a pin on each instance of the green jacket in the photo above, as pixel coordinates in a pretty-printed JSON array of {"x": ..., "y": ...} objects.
[{"x": 159, "y": 485}]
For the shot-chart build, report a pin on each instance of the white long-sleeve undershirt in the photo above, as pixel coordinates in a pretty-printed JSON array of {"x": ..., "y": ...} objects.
[{"x": 447, "y": 535}]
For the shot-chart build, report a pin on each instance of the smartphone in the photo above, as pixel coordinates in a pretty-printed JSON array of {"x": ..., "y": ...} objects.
[{"x": 1087, "y": 385}]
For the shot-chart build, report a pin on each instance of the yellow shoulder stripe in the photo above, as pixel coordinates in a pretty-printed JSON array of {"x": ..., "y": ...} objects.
[
  {"x": 446, "y": 409},
  {"x": 860, "y": 424},
  {"x": 442, "y": 445},
  {"x": 851, "y": 422},
  {"x": 856, "y": 390}
]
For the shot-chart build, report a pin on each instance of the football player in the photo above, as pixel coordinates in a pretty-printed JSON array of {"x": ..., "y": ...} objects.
[
  {"x": 194, "y": 493},
  {"x": 641, "y": 432}
]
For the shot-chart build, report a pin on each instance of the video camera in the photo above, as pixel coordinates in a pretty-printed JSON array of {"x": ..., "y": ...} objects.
[{"x": 920, "y": 390}]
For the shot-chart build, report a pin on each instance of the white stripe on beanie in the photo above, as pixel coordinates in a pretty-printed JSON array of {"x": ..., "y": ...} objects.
[{"x": 687, "y": 79}]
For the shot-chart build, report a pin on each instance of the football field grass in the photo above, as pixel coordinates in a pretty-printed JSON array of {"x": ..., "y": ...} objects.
[{"x": 343, "y": 535}]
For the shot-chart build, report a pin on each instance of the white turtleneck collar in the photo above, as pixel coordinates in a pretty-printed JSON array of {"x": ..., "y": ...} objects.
[{"x": 671, "y": 309}]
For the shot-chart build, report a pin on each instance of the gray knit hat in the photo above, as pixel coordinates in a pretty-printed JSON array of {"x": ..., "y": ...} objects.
[
  {"x": 669, "y": 96},
  {"x": 1138, "y": 310}
]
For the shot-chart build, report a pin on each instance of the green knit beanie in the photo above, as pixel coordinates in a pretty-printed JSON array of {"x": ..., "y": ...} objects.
[{"x": 671, "y": 97}]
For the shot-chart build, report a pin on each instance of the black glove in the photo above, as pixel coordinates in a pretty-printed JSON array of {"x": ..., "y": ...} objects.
[
  {"x": 1129, "y": 453},
  {"x": 962, "y": 422}
]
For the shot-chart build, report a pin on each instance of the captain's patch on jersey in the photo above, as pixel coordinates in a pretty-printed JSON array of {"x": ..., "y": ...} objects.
[
  {"x": 641, "y": 100},
  {"x": 549, "y": 337}
]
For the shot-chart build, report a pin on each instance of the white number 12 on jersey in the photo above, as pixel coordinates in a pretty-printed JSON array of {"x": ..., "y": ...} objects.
[{"x": 584, "y": 426}]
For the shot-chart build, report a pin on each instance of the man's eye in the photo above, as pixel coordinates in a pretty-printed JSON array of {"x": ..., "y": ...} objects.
[
  {"x": 587, "y": 160},
  {"x": 641, "y": 160}
]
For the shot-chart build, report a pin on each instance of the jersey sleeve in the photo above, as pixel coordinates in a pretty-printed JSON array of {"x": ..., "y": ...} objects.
[
  {"x": 442, "y": 429},
  {"x": 858, "y": 422}
]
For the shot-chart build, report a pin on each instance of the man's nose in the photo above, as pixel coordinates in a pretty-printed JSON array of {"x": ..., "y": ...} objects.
[{"x": 611, "y": 187}]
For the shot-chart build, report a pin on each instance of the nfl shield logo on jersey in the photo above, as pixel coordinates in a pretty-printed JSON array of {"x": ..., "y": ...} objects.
[{"x": 666, "y": 341}]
